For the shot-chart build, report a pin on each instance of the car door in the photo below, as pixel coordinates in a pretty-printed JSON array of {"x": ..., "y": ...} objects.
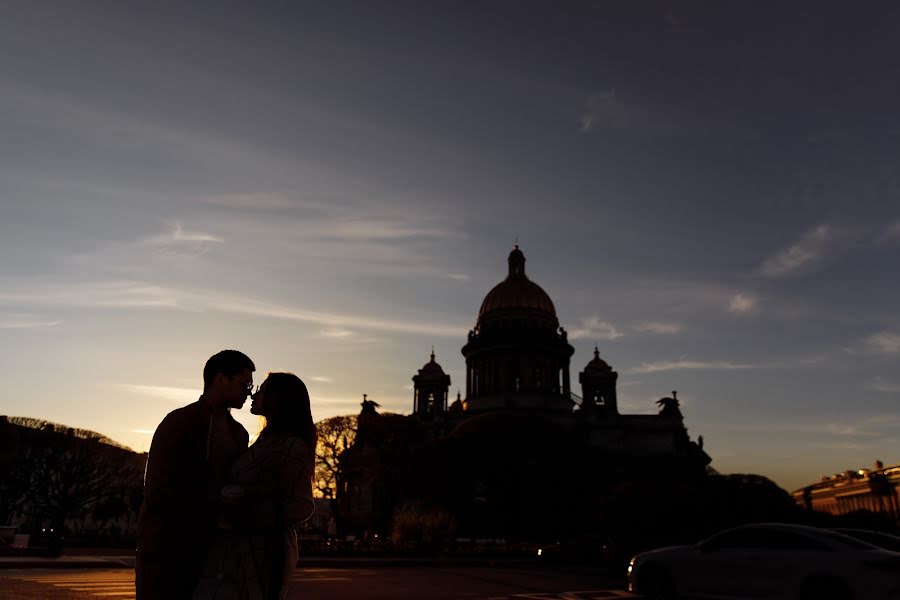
[
  {"x": 785, "y": 558},
  {"x": 723, "y": 567},
  {"x": 764, "y": 562}
]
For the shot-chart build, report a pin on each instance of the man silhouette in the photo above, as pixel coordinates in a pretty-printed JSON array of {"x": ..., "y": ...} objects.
[{"x": 186, "y": 467}]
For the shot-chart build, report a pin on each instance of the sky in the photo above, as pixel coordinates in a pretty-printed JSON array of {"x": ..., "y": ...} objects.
[{"x": 709, "y": 192}]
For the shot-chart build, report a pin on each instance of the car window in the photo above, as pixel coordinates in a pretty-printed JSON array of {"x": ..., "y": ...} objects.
[
  {"x": 764, "y": 539},
  {"x": 736, "y": 538},
  {"x": 773, "y": 539}
]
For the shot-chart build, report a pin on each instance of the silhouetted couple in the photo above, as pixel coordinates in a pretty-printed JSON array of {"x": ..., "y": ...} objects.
[{"x": 218, "y": 516}]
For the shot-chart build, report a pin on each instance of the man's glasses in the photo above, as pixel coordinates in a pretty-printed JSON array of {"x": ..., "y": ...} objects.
[{"x": 247, "y": 385}]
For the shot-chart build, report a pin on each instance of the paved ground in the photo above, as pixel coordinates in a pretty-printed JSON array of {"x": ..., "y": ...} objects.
[{"x": 398, "y": 583}]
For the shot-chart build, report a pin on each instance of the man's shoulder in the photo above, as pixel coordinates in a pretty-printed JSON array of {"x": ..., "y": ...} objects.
[{"x": 184, "y": 415}]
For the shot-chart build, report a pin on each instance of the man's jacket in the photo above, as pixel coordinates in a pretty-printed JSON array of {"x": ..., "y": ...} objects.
[{"x": 179, "y": 511}]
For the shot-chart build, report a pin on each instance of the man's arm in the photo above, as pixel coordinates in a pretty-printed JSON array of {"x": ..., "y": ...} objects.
[{"x": 168, "y": 489}]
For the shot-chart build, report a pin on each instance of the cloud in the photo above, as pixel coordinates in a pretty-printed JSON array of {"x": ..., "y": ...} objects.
[
  {"x": 659, "y": 327},
  {"x": 320, "y": 379},
  {"x": 872, "y": 427},
  {"x": 102, "y": 294},
  {"x": 24, "y": 321},
  {"x": 881, "y": 384},
  {"x": 140, "y": 295},
  {"x": 384, "y": 229},
  {"x": 337, "y": 333},
  {"x": 334, "y": 322},
  {"x": 593, "y": 327},
  {"x": 889, "y": 234},
  {"x": 884, "y": 342},
  {"x": 628, "y": 382},
  {"x": 460, "y": 277},
  {"x": 254, "y": 201},
  {"x": 599, "y": 109},
  {"x": 178, "y": 240},
  {"x": 638, "y": 406},
  {"x": 680, "y": 365},
  {"x": 176, "y": 395},
  {"x": 805, "y": 251},
  {"x": 143, "y": 431},
  {"x": 742, "y": 304},
  {"x": 180, "y": 235}
]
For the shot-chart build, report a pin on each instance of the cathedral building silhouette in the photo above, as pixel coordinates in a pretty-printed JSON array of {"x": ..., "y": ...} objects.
[{"x": 518, "y": 407}]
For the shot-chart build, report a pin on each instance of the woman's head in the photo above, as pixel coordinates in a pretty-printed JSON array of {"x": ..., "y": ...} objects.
[{"x": 284, "y": 402}]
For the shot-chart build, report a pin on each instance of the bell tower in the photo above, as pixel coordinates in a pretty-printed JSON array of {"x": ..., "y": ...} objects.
[
  {"x": 598, "y": 388},
  {"x": 430, "y": 389}
]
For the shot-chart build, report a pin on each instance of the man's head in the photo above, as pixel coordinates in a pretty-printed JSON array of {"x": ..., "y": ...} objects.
[{"x": 228, "y": 379}]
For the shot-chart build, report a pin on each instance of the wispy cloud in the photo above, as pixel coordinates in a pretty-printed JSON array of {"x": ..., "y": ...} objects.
[
  {"x": 659, "y": 327},
  {"x": 870, "y": 427},
  {"x": 594, "y": 328},
  {"x": 742, "y": 304},
  {"x": 140, "y": 295},
  {"x": 177, "y": 395},
  {"x": 336, "y": 333},
  {"x": 884, "y": 342},
  {"x": 320, "y": 379},
  {"x": 334, "y": 322},
  {"x": 805, "y": 251},
  {"x": 102, "y": 294},
  {"x": 178, "y": 240},
  {"x": 601, "y": 109},
  {"x": 460, "y": 277},
  {"x": 882, "y": 384},
  {"x": 24, "y": 321},
  {"x": 179, "y": 234},
  {"x": 382, "y": 229},
  {"x": 889, "y": 234},
  {"x": 645, "y": 405},
  {"x": 681, "y": 365},
  {"x": 254, "y": 201}
]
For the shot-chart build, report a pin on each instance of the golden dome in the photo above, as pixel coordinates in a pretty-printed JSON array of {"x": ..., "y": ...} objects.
[{"x": 516, "y": 293}]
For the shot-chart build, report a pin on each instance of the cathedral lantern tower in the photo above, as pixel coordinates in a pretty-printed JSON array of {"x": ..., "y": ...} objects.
[
  {"x": 430, "y": 387},
  {"x": 598, "y": 388},
  {"x": 517, "y": 356}
]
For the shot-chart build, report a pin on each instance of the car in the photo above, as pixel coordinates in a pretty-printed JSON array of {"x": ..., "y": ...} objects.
[
  {"x": 876, "y": 538},
  {"x": 769, "y": 560}
]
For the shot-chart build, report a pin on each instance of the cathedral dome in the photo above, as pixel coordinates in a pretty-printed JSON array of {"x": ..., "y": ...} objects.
[
  {"x": 516, "y": 293},
  {"x": 431, "y": 368},
  {"x": 597, "y": 364}
]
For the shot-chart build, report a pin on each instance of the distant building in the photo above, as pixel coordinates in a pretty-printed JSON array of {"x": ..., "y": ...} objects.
[
  {"x": 517, "y": 395},
  {"x": 874, "y": 490}
]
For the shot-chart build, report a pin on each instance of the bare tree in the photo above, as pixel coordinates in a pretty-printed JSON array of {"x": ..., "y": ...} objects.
[
  {"x": 336, "y": 434},
  {"x": 61, "y": 474}
]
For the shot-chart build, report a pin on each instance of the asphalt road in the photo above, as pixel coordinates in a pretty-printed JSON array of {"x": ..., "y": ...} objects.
[{"x": 395, "y": 583}]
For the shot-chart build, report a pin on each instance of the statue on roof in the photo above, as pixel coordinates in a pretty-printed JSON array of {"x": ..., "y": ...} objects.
[
  {"x": 368, "y": 407},
  {"x": 669, "y": 407}
]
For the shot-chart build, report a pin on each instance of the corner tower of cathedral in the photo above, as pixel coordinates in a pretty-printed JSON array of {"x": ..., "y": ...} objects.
[
  {"x": 430, "y": 388},
  {"x": 517, "y": 356}
]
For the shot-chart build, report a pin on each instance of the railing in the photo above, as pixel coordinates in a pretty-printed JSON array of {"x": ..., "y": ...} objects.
[{"x": 576, "y": 399}]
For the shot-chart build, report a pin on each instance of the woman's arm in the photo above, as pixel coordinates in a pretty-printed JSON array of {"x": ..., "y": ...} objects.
[{"x": 296, "y": 484}]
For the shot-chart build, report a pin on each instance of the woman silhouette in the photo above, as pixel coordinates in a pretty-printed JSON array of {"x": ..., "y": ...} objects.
[{"x": 269, "y": 493}]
